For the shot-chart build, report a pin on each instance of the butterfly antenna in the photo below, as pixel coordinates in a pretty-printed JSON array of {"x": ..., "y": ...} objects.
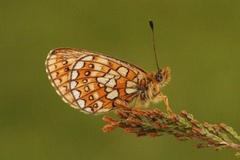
[{"x": 153, "y": 40}]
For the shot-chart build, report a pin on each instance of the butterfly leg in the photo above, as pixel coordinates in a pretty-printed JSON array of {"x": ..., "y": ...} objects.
[
  {"x": 166, "y": 103},
  {"x": 137, "y": 102}
]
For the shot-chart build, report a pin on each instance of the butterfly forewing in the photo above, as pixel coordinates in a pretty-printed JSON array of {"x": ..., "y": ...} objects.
[{"x": 91, "y": 81}]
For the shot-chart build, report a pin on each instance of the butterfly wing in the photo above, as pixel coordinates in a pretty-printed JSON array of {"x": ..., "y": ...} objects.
[
  {"x": 91, "y": 81},
  {"x": 58, "y": 64}
]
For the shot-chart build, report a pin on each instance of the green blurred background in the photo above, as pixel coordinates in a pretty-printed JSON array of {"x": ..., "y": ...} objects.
[{"x": 199, "y": 40}]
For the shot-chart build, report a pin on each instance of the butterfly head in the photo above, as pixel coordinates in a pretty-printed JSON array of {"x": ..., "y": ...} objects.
[{"x": 162, "y": 76}]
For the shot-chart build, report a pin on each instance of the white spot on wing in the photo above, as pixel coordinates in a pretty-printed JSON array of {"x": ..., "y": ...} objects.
[
  {"x": 130, "y": 90},
  {"x": 111, "y": 83},
  {"x": 76, "y": 94},
  {"x": 123, "y": 71},
  {"x": 88, "y": 109},
  {"x": 73, "y": 84},
  {"x": 112, "y": 94},
  {"x": 90, "y": 97},
  {"x": 74, "y": 74},
  {"x": 131, "y": 84},
  {"x": 81, "y": 103},
  {"x": 85, "y": 81},
  {"x": 86, "y": 88},
  {"x": 109, "y": 76},
  {"x": 87, "y": 58},
  {"x": 79, "y": 65},
  {"x": 102, "y": 80},
  {"x": 112, "y": 72}
]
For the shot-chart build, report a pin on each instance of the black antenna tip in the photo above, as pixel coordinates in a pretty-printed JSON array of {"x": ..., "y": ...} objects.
[{"x": 151, "y": 23}]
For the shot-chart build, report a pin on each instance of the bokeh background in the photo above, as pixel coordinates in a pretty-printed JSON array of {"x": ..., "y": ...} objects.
[{"x": 199, "y": 40}]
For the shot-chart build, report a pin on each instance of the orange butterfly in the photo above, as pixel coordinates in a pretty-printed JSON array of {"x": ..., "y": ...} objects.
[{"x": 92, "y": 82}]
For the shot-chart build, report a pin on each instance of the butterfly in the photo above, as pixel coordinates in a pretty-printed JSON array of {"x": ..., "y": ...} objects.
[{"x": 93, "y": 82}]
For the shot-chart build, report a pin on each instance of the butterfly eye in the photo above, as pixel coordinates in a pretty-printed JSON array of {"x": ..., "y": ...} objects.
[{"x": 159, "y": 77}]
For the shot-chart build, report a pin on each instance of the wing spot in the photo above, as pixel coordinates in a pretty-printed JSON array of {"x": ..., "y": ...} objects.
[
  {"x": 87, "y": 73},
  {"x": 98, "y": 104},
  {"x": 91, "y": 65},
  {"x": 64, "y": 62},
  {"x": 95, "y": 105},
  {"x": 73, "y": 84},
  {"x": 81, "y": 103},
  {"x": 66, "y": 69},
  {"x": 131, "y": 84},
  {"x": 91, "y": 97},
  {"x": 111, "y": 83},
  {"x": 112, "y": 95},
  {"x": 85, "y": 81},
  {"x": 79, "y": 65},
  {"x": 123, "y": 71},
  {"x": 130, "y": 90},
  {"x": 108, "y": 76},
  {"x": 102, "y": 80},
  {"x": 87, "y": 58},
  {"x": 74, "y": 74},
  {"x": 113, "y": 72},
  {"x": 76, "y": 93},
  {"x": 86, "y": 88},
  {"x": 88, "y": 109}
]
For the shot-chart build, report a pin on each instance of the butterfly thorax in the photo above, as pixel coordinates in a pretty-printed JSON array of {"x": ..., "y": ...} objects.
[{"x": 150, "y": 87}]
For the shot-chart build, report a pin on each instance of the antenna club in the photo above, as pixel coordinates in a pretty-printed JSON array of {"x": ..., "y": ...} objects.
[{"x": 151, "y": 23}]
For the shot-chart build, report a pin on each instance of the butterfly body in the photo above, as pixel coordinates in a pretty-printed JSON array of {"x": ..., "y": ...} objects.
[{"x": 91, "y": 82}]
